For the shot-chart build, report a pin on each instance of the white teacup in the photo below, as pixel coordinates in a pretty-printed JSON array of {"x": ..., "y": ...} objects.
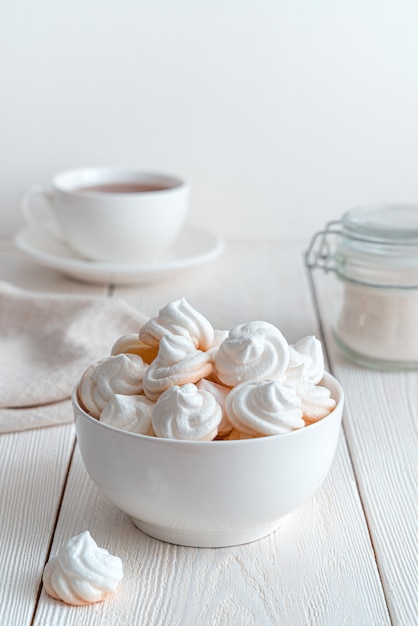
[{"x": 111, "y": 214}]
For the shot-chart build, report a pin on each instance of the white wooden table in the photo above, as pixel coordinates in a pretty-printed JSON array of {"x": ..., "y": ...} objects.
[{"x": 346, "y": 557}]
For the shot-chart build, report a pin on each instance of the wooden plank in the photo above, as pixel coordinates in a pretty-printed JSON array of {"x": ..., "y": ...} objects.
[
  {"x": 381, "y": 430},
  {"x": 33, "y": 470},
  {"x": 318, "y": 568}
]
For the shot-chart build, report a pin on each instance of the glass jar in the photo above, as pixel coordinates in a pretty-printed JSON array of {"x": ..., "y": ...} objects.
[{"x": 374, "y": 252}]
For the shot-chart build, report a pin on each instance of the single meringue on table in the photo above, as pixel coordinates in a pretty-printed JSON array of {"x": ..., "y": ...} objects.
[
  {"x": 264, "y": 407},
  {"x": 82, "y": 573},
  {"x": 122, "y": 373},
  {"x": 178, "y": 362},
  {"x": 186, "y": 412},
  {"x": 178, "y": 318},
  {"x": 252, "y": 351}
]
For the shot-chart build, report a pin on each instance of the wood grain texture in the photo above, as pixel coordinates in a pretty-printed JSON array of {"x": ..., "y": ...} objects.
[
  {"x": 319, "y": 554},
  {"x": 33, "y": 470},
  {"x": 381, "y": 426}
]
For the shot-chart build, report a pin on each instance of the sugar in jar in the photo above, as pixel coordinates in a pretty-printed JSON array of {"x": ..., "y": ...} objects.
[{"x": 374, "y": 252}]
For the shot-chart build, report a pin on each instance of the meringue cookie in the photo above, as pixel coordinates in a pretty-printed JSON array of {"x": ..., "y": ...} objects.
[
  {"x": 82, "y": 573},
  {"x": 178, "y": 318},
  {"x": 219, "y": 392},
  {"x": 178, "y": 362},
  {"x": 236, "y": 435},
  {"x": 133, "y": 345},
  {"x": 122, "y": 373},
  {"x": 252, "y": 351},
  {"x": 264, "y": 407},
  {"x": 186, "y": 412},
  {"x": 316, "y": 402},
  {"x": 132, "y": 413},
  {"x": 306, "y": 361},
  {"x": 219, "y": 337}
]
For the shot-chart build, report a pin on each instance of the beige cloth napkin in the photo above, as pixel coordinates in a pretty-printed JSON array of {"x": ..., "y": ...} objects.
[{"x": 46, "y": 342}]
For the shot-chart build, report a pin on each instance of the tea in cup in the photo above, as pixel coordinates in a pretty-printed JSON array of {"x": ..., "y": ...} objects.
[{"x": 111, "y": 214}]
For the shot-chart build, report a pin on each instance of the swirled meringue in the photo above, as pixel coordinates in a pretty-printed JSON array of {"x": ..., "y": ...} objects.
[
  {"x": 252, "y": 351},
  {"x": 82, "y": 573},
  {"x": 132, "y": 344},
  {"x": 219, "y": 336},
  {"x": 306, "y": 361},
  {"x": 132, "y": 413},
  {"x": 186, "y": 412},
  {"x": 178, "y": 318},
  {"x": 316, "y": 402},
  {"x": 236, "y": 435},
  {"x": 122, "y": 373},
  {"x": 178, "y": 362},
  {"x": 219, "y": 392},
  {"x": 264, "y": 407}
]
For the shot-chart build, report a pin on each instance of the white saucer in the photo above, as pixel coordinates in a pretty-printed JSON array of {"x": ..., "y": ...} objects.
[{"x": 193, "y": 247}]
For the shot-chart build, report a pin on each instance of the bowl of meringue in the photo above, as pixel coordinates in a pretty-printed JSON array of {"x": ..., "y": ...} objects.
[{"x": 206, "y": 437}]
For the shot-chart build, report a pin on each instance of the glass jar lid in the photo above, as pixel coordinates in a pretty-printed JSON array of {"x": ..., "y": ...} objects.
[
  {"x": 375, "y": 245},
  {"x": 390, "y": 224}
]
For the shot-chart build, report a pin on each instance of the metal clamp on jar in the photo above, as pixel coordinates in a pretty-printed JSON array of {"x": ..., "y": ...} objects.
[{"x": 374, "y": 252}]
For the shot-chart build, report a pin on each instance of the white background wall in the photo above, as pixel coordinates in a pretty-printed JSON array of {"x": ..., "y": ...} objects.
[{"x": 281, "y": 113}]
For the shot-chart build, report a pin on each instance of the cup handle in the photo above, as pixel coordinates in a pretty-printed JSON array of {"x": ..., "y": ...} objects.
[{"x": 40, "y": 217}]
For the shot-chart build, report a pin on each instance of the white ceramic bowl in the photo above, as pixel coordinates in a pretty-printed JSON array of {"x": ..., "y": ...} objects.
[{"x": 209, "y": 494}]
